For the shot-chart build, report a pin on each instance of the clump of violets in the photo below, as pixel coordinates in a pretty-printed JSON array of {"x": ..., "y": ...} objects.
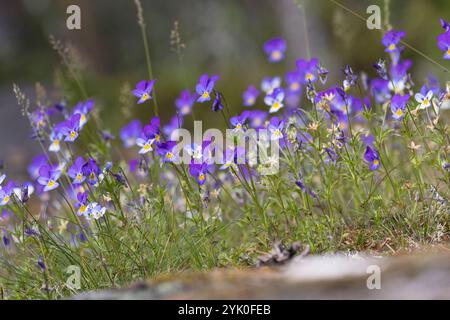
[
  {"x": 275, "y": 49},
  {"x": 372, "y": 157},
  {"x": 143, "y": 90},
  {"x": 205, "y": 87}
]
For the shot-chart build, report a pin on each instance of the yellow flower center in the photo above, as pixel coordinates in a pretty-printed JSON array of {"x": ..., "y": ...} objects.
[
  {"x": 392, "y": 47},
  {"x": 157, "y": 138},
  {"x": 147, "y": 147},
  {"x": 309, "y": 76},
  {"x": 399, "y": 112},
  {"x": 205, "y": 95},
  {"x": 201, "y": 177},
  {"x": 73, "y": 134},
  {"x": 56, "y": 142},
  {"x": 82, "y": 118},
  {"x": 92, "y": 176},
  {"x": 426, "y": 102},
  {"x": 276, "y": 105},
  {"x": 169, "y": 155},
  {"x": 276, "y": 55},
  {"x": 83, "y": 208},
  {"x": 376, "y": 162},
  {"x": 295, "y": 86},
  {"x": 79, "y": 177},
  {"x": 185, "y": 109},
  {"x": 51, "y": 183},
  {"x": 238, "y": 126},
  {"x": 145, "y": 96},
  {"x": 251, "y": 100},
  {"x": 6, "y": 199}
]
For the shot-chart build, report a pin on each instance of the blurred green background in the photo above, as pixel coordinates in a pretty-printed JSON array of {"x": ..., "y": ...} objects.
[{"x": 221, "y": 37}]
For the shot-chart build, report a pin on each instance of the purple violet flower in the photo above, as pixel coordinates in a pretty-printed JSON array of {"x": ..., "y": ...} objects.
[
  {"x": 76, "y": 171},
  {"x": 250, "y": 95},
  {"x": 185, "y": 102},
  {"x": 91, "y": 171},
  {"x": 275, "y": 49},
  {"x": 398, "y": 105},
  {"x": 70, "y": 128},
  {"x": 205, "y": 87},
  {"x": 275, "y": 100},
  {"x": 143, "y": 90},
  {"x": 372, "y": 157},
  {"x": 48, "y": 177},
  {"x": 130, "y": 133}
]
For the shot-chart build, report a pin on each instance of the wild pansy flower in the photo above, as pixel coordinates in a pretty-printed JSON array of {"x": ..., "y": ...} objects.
[
  {"x": 275, "y": 128},
  {"x": 399, "y": 76},
  {"x": 6, "y": 192},
  {"x": 391, "y": 41},
  {"x": 293, "y": 81},
  {"x": 275, "y": 100},
  {"x": 95, "y": 211},
  {"x": 257, "y": 118},
  {"x": 150, "y": 134},
  {"x": 130, "y": 133},
  {"x": 380, "y": 90},
  {"x": 398, "y": 105},
  {"x": 233, "y": 156},
  {"x": 217, "y": 103},
  {"x": 82, "y": 198},
  {"x": 174, "y": 123},
  {"x": 444, "y": 44},
  {"x": 24, "y": 192},
  {"x": 36, "y": 163},
  {"x": 307, "y": 70},
  {"x": 268, "y": 84},
  {"x": 250, "y": 95},
  {"x": 83, "y": 108},
  {"x": 38, "y": 118},
  {"x": 70, "y": 128},
  {"x": 238, "y": 122},
  {"x": 91, "y": 171},
  {"x": 199, "y": 172},
  {"x": 143, "y": 90},
  {"x": 205, "y": 87},
  {"x": 167, "y": 151},
  {"x": 185, "y": 102},
  {"x": 372, "y": 157},
  {"x": 76, "y": 171},
  {"x": 424, "y": 98},
  {"x": 48, "y": 177},
  {"x": 275, "y": 49}
]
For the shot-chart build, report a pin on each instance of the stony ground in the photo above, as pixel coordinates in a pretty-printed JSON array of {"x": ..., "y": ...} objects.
[{"x": 421, "y": 275}]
